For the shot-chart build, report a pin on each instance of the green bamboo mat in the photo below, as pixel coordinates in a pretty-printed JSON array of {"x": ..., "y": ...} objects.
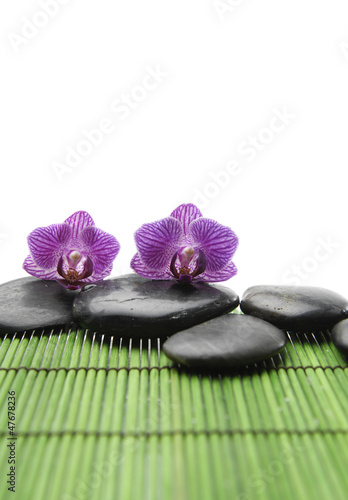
[{"x": 102, "y": 418}]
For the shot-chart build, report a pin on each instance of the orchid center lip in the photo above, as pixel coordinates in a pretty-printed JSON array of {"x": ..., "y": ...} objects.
[
  {"x": 71, "y": 275},
  {"x": 187, "y": 269}
]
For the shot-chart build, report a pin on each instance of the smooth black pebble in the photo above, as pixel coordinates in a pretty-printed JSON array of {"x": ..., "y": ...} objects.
[
  {"x": 225, "y": 342},
  {"x": 339, "y": 335},
  {"x": 29, "y": 303},
  {"x": 133, "y": 306},
  {"x": 298, "y": 308}
]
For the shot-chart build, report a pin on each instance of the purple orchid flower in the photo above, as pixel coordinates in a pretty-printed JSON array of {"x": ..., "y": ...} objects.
[
  {"x": 73, "y": 253},
  {"x": 185, "y": 246}
]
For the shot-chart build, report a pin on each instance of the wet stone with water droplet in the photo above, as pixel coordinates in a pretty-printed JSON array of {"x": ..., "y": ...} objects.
[
  {"x": 133, "y": 306},
  {"x": 31, "y": 303}
]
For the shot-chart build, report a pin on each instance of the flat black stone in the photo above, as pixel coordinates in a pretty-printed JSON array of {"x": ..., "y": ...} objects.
[
  {"x": 339, "y": 335},
  {"x": 29, "y": 303},
  {"x": 298, "y": 308},
  {"x": 225, "y": 342},
  {"x": 133, "y": 306}
]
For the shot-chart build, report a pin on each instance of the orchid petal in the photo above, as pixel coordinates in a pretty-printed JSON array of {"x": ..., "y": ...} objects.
[
  {"x": 201, "y": 264},
  {"x": 158, "y": 241},
  {"x": 30, "y": 267},
  {"x": 224, "y": 274},
  {"x": 100, "y": 246},
  {"x": 172, "y": 267},
  {"x": 139, "y": 267},
  {"x": 47, "y": 244},
  {"x": 186, "y": 213},
  {"x": 79, "y": 221},
  {"x": 60, "y": 269},
  {"x": 87, "y": 270},
  {"x": 217, "y": 242},
  {"x": 98, "y": 276}
]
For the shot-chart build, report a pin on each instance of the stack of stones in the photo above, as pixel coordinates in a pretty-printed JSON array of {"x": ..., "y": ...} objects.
[{"x": 194, "y": 316}]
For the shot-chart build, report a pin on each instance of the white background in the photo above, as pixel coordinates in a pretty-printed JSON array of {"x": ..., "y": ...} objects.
[{"x": 229, "y": 67}]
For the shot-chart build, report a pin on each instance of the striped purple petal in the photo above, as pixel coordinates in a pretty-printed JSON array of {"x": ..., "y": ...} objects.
[
  {"x": 186, "y": 213},
  {"x": 98, "y": 276},
  {"x": 217, "y": 242},
  {"x": 47, "y": 244},
  {"x": 222, "y": 275},
  {"x": 100, "y": 246},
  {"x": 45, "y": 274},
  {"x": 79, "y": 221},
  {"x": 158, "y": 241},
  {"x": 139, "y": 267}
]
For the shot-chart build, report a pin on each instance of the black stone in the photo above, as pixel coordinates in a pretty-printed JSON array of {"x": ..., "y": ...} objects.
[
  {"x": 339, "y": 336},
  {"x": 225, "y": 342},
  {"x": 133, "y": 306},
  {"x": 29, "y": 303},
  {"x": 298, "y": 308}
]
